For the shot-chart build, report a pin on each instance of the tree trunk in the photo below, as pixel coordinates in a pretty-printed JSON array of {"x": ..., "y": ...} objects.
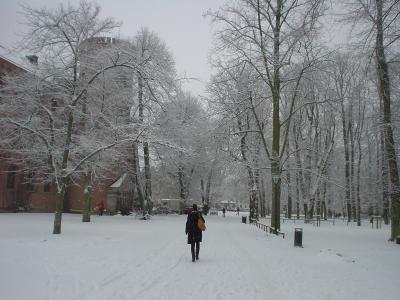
[
  {"x": 276, "y": 124},
  {"x": 361, "y": 115},
  {"x": 299, "y": 172},
  {"x": 147, "y": 176},
  {"x": 306, "y": 192},
  {"x": 358, "y": 183},
  {"x": 87, "y": 198},
  {"x": 380, "y": 157},
  {"x": 323, "y": 203},
  {"x": 143, "y": 194},
  {"x": 311, "y": 209},
  {"x": 289, "y": 189},
  {"x": 64, "y": 181},
  {"x": 208, "y": 187},
  {"x": 60, "y": 198},
  {"x": 257, "y": 180},
  {"x": 347, "y": 164},
  {"x": 202, "y": 192},
  {"x": 257, "y": 193},
  {"x": 384, "y": 94},
  {"x": 297, "y": 196},
  {"x": 250, "y": 175},
  {"x": 262, "y": 199},
  {"x": 66, "y": 204},
  {"x": 275, "y": 88},
  {"x": 136, "y": 175},
  {"x": 276, "y": 193},
  {"x": 352, "y": 167},
  {"x": 305, "y": 212},
  {"x": 384, "y": 180},
  {"x": 181, "y": 175},
  {"x": 59, "y": 210},
  {"x": 324, "y": 211}
]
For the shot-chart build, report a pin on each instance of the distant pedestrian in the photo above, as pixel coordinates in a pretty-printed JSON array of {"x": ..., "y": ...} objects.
[
  {"x": 100, "y": 208},
  {"x": 194, "y": 232},
  {"x": 223, "y": 212},
  {"x": 237, "y": 211}
]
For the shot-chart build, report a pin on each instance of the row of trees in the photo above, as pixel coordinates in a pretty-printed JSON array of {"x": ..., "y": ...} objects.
[
  {"x": 319, "y": 121},
  {"x": 288, "y": 117}
]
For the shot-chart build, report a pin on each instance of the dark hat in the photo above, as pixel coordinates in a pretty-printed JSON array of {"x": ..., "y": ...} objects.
[{"x": 194, "y": 206}]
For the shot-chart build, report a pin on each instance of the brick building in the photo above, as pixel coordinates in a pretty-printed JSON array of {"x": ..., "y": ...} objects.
[
  {"x": 14, "y": 186},
  {"x": 18, "y": 189}
]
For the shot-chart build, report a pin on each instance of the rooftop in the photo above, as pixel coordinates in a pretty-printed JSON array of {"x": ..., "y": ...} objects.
[{"x": 16, "y": 58}]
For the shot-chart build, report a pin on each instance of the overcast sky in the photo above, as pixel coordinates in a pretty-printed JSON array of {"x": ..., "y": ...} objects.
[{"x": 178, "y": 22}]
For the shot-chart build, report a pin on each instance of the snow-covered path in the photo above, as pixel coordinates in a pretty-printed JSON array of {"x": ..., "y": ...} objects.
[{"x": 124, "y": 258}]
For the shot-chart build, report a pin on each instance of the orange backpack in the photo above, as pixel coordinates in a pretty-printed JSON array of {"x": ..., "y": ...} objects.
[{"x": 200, "y": 224}]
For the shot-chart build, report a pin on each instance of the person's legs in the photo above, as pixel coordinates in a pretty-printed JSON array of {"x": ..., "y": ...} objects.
[
  {"x": 192, "y": 249},
  {"x": 197, "y": 249}
]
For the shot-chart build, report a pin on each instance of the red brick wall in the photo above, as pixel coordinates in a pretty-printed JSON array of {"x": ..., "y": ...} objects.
[
  {"x": 7, "y": 67},
  {"x": 42, "y": 201},
  {"x": 37, "y": 199},
  {"x": 16, "y": 196},
  {"x": 75, "y": 197}
]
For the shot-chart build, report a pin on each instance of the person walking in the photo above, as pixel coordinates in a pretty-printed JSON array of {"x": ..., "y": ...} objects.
[
  {"x": 194, "y": 233},
  {"x": 100, "y": 208},
  {"x": 237, "y": 210},
  {"x": 223, "y": 212}
]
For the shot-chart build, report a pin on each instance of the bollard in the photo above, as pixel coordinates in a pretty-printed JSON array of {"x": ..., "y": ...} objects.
[
  {"x": 244, "y": 219},
  {"x": 298, "y": 237}
]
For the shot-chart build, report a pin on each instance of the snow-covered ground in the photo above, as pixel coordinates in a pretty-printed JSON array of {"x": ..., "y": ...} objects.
[{"x": 124, "y": 258}]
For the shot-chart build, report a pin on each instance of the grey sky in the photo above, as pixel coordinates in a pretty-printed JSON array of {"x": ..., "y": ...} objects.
[{"x": 178, "y": 22}]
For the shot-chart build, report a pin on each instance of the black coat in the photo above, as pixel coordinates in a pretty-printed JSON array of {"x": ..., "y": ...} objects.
[{"x": 193, "y": 232}]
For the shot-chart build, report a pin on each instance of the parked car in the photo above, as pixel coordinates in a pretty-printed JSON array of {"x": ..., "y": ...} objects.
[{"x": 213, "y": 211}]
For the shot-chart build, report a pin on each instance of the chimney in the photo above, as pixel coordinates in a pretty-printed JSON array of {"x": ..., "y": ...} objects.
[{"x": 33, "y": 59}]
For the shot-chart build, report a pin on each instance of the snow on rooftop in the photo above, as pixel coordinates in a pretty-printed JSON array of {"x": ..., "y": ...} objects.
[
  {"x": 16, "y": 58},
  {"x": 118, "y": 183}
]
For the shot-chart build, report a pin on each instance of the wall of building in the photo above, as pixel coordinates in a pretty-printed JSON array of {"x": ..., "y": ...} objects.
[
  {"x": 37, "y": 198},
  {"x": 17, "y": 195}
]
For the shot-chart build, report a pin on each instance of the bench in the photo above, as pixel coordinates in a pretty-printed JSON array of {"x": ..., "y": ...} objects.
[
  {"x": 291, "y": 219},
  {"x": 377, "y": 220}
]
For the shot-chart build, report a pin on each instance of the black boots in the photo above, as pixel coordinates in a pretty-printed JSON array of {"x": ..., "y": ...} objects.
[{"x": 195, "y": 249}]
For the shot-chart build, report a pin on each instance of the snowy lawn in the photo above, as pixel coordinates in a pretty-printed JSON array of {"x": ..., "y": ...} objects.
[{"x": 124, "y": 258}]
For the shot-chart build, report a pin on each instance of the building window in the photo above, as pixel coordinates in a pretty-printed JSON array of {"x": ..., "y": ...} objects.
[
  {"x": 47, "y": 187},
  {"x": 53, "y": 104},
  {"x": 12, "y": 172},
  {"x": 29, "y": 182}
]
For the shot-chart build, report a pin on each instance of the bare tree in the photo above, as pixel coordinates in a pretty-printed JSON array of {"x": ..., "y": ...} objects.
[
  {"x": 229, "y": 91},
  {"x": 155, "y": 82},
  {"x": 377, "y": 23},
  {"x": 269, "y": 35},
  {"x": 189, "y": 167}
]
